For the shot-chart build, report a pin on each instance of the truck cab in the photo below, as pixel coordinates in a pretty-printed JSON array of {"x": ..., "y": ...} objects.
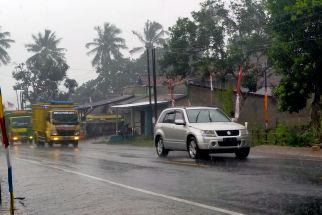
[{"x": 56, "y": 123}]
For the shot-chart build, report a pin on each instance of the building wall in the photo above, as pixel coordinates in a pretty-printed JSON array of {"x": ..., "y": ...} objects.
[{"x": 252, "y": 108}]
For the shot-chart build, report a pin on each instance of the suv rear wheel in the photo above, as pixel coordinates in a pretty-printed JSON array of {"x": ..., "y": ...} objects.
[{"x": 161, "y": 151}]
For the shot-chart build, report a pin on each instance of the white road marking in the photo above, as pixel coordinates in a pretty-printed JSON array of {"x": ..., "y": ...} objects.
[{"x": 217, "y": 209}]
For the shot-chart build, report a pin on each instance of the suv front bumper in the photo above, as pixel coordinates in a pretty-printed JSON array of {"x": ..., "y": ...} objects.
[{"x": 231, "y": 142}]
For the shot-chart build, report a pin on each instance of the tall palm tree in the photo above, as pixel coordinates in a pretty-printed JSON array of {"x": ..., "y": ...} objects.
[
  {"x": 106, "y": 46},
  {"x": 4, "y": 44},
  {"x": 153, "y": 35},
  {"x": 45, "y": 46}
]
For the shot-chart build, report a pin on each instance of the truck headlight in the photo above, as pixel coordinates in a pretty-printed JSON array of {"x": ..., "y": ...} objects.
[
  {"x": 208, "y": 133},
  {"x": 77, "y": 133}
]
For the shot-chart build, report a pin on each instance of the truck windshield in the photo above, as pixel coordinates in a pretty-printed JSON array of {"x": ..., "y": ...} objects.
[
  {"x": 65, "y": 117},
  {"x": 20, "y": 122},
  {"x": 206, "y": 116}
]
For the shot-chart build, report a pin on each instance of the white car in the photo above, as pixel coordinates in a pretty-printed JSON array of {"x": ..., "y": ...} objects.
[{"x": 200, "y": 131}]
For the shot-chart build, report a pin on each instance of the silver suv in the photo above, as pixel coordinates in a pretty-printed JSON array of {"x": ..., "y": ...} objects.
[{"x": 200, "y": 131}]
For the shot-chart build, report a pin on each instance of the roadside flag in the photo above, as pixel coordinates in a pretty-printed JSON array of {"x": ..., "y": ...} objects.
[
  {"x": 170, "y": 88},
  {"x": 265, "y": 102},
  {"x": 210, "y": 79},
  {"x": 237, "y": 105},
  {"x": 6, "y": 146}
]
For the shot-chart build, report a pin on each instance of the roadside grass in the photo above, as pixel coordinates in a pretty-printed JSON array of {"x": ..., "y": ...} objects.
[{"x": 136, "y": 141}]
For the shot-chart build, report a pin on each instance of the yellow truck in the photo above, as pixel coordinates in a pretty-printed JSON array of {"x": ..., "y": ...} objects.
[
  {"x": 55, "y": 122},
  {"x": 18, "y": 123}
]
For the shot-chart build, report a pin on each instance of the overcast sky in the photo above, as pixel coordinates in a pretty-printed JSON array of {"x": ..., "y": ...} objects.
[{"x": 73, "y": 21}]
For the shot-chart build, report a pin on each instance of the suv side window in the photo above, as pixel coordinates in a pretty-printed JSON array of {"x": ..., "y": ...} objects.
[
  {"x": 161, "y": 118},
  {"x": 169, "y": 117},
  {"x": 179, "y": 115}
]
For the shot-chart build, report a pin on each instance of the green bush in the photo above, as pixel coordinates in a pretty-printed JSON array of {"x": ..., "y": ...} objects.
[{"x": 282, "y": 135}]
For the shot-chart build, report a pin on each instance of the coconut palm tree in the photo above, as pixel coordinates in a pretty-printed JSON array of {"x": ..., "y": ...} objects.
[
  {"x": 4, "y": 44},
  {"x": 106, "y": 46},
  {"x": 153, "y": 35},
  {"x": 45, "y": 47}
]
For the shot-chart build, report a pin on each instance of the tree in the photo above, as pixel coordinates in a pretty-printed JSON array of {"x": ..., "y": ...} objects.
[
  {"x": 4, "y": 44},
  {"x": 90, "y": 90},
  {"x": 296, "y": 28},
  {"x": 45, "y": 48},
  {"x": 249, "y": 40},
  {"x": 179, "y": 50},
  {"x": 43, "y": 73},
  {"x": 153, "y": 36},
  {"x": 106, "y": 47},
  {"x": 198, "y": 43}
]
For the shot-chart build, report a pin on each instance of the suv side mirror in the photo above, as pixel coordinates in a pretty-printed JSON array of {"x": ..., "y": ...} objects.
[{"x": 179, "y": 122}]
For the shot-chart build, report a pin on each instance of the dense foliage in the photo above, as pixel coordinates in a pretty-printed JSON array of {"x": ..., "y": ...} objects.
[
  {"x": 296, "y": 27},
  {"x": 217, "y": 40}
]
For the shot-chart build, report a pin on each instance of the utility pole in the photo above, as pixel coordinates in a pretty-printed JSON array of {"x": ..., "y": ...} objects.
[
  {"x": 149, "y": 85},
  {"x": 17, "y": 99},
  {"x": 154, "y": 86}
]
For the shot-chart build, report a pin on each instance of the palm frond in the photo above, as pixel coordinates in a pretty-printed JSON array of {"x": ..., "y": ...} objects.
[
  {"x": 136, "y": 50},
  {"x": 139, "y": 36}
]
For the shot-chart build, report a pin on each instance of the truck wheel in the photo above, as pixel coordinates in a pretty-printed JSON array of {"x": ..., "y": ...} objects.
[
  {"x": 75, "y": 144},
  {"x": 50, "y": 144}
]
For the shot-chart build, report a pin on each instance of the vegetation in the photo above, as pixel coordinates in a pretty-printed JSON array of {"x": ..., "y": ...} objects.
[
  {"x": 107, "y": 45},
  {"x": 5, "y": 42},
  {"x": 153, "y": 36},
  {"x": 41, "y": 76},
  {"x": 282, "y": 135},
  {"x": 297, "y": 55},
  {"x": 219, "y": 39}
]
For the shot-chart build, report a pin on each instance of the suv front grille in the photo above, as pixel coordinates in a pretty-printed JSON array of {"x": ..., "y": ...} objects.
[{"x": 225, "y": 133}]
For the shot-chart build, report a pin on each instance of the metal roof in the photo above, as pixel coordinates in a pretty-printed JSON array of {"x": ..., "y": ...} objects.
[
  {"x": 138, "y": 104},
  {"x": 106, "y": 102}
]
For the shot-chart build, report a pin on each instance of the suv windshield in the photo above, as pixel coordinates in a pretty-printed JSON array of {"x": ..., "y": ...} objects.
[
  {"x": 69, "y": 117},
  {"x": 206, "y": 116},
  {"x": 20, "y": 122}
]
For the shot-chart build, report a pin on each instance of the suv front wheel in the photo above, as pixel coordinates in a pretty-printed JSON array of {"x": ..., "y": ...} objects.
[
  {"x": 242, "y": 153},
  {"x": 193, "y": 149},
  {"x": 161, "y": 151}
]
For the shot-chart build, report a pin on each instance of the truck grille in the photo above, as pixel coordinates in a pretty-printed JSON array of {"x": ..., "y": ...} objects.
[
  {"x": 225, "y": 133},
  {"x": 65, "y": 132}
]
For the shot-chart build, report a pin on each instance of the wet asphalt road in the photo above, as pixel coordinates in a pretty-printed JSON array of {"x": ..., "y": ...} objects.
[{"x": 122, "y": 179}]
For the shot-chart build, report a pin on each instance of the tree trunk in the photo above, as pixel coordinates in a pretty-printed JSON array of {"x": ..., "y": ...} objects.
[{"x": 316, "y": 116}]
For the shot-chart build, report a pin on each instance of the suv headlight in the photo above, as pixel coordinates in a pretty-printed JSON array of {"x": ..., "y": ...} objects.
[
  {"x": 243, "y": 132},
  {"x": 208, "y": 133}
]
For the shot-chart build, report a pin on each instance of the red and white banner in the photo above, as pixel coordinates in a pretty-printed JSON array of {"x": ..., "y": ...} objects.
[{"x": 237, "y": 105}]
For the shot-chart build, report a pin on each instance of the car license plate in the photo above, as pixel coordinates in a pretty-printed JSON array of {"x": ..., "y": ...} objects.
[{"x": 230, "y": 140}]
